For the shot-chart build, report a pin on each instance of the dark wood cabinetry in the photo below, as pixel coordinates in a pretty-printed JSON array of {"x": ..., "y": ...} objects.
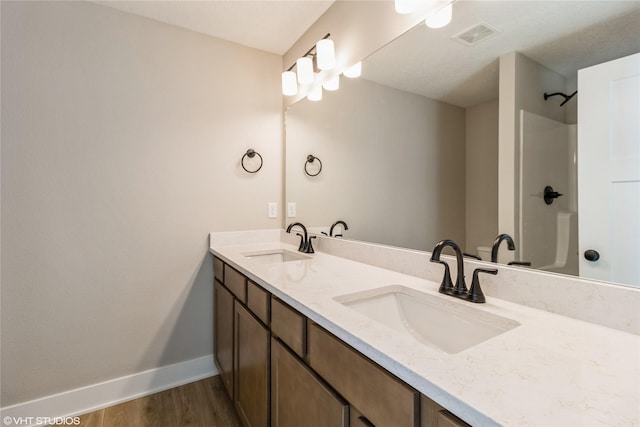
[
  {"x": 223, "y": 334},
  {"x": 299, "y": 397},
  {"x": 380, "y": 397},
  {"x": 282, "y": 369},
  {"x": 242, "y": 343},
  {"x": 290, "y": 326},
  {"x": 236, "y": 283},
  {"x": 434, "y": 415},
  {"x": 252, "y": 368},
  {"x": 259, "y": 302}
]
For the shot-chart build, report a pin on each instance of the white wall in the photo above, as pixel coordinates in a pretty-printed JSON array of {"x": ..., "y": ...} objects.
[
  {"x": 481, "y": 127},
  {"x": 121, "y": 142},
  {"x": 523, "y": 83},
  {"x": 393, "y": 164},
  {"x": 549, "y": 148}
]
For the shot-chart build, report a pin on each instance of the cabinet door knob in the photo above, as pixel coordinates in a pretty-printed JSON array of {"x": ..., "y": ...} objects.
[{"x": 591, "y": 255}]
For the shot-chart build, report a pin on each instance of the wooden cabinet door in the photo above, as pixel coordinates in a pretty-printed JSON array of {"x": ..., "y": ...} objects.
[
  {"x": 223, "y": 334},
  {"x": 382, "y": 398},
  {"x": 434, "y": 415},
  {"x": 299, "y": 397},
  {"x": 252, "y": 368}
]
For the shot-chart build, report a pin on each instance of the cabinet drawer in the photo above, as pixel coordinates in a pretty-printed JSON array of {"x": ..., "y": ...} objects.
[
  {"x": 299, "y": 397},
  {"x": 289, "y": 325},
  {"x": 447, "y": 419},
  {"x": 383, "y": 399},
  {"x": 236, "y": 283},
  {"x": 218, "y": 267},
  {"x": 258, "y": 301}
]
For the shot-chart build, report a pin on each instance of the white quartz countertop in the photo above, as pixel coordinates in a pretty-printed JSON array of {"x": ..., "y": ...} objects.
[{"x": 551, "y": 370}]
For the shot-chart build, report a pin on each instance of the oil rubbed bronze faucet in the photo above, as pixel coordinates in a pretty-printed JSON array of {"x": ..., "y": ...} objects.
[
  {"x": 460, "y": 287},
  {"x": 510, "y": 245},
  {"x": 305, "y": 240},
  {"x": 496, "y": 245},
  {"x": 339, "y": 222},
  {"x": 459, "y": 290}
]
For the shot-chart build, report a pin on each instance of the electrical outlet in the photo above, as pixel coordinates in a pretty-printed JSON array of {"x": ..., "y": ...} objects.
[
  {"x": 291, "y": 209},
  {"x": 273, "y": 210}
]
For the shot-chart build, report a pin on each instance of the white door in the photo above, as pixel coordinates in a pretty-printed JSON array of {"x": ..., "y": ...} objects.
[{"x": 609, "y": 170}]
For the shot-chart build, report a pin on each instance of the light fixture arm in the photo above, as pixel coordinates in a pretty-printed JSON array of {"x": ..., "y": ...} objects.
[{"x": 307, "y": 53}]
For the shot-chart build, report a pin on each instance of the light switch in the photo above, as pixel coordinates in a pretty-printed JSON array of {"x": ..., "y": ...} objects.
[
  {"x": 273, "y": 209},
  {"x": 291, "y": 209}
]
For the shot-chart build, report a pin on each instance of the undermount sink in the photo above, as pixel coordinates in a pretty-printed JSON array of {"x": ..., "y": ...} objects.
[
  {"x": 448, "y": 326},
  {"x": 275, "y": 256}
]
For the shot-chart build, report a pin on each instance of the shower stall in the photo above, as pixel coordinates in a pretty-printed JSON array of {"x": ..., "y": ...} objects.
[{"x": 548, "y": 220}]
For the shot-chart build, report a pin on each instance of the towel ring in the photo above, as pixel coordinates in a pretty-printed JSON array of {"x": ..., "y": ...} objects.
[
  {"x": 251, "y": 153},
  {"x": 310, "y": 159}
]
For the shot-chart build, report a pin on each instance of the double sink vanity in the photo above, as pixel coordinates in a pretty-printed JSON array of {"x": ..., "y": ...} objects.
[{"x": 357, "y": 334}]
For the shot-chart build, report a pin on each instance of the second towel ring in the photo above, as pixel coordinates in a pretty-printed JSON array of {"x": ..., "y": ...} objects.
[
  {"x": 251, "y": 153},
  {"x": 310, "y": 159}
]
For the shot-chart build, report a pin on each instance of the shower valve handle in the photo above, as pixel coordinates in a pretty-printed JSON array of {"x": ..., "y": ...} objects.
[{"x": 550, "y": 195}]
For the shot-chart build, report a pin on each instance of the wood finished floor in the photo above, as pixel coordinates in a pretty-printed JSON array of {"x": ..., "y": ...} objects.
[{"x": 203, "y": 403}]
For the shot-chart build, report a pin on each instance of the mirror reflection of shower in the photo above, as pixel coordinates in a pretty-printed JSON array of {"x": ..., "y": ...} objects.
[{"x": 548, "y": 231}]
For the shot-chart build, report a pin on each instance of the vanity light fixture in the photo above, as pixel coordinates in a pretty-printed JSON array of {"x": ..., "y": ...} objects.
[
  {"x": 321, "y": 55},
  {"x": 438, "y": 12},
  {"x": 354, "y": 71},
  {"x": 405, "y": 7},
  {"x": 315, "y": 94},
  {"x": 305, "y": 70},
  {"x": 440, "y": 18},
  {"x": 289, "y": 83},
  {"x": 326, "y": 57},
  {"x": 333, "y": 83}
]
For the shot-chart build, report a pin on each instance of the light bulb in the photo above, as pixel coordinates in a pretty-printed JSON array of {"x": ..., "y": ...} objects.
[
  {"x": 326, "y": 55},
  {"x": 315, "y": 94},
  {"x": 305, "y": 70},
  {"x": 333, "y": 83},
  {"x": 407, "y": 6},
  {"x": 440, "y": 18},
  {"x": 354, "y": 71},
  {"x": 289, "y": 83}
]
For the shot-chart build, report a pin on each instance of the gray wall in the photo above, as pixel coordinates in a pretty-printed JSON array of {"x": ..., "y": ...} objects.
[
  {"x": 482, "y": 175},
  {"x": 393, "y": 164},
  {"x": 121, "y": 142},
  {"x": 522, "y": 81}
]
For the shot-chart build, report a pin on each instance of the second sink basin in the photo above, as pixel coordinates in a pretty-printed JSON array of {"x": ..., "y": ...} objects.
[
  {"x": 448, "y": 326},
  {"x": 275, "y": 256}
]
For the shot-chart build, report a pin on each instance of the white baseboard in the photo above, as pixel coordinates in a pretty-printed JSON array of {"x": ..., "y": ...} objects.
[{"x": 100, "y": 395}]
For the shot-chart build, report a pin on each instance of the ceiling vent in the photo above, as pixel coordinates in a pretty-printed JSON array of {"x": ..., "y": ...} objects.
[{"x": 476, "y": 34}]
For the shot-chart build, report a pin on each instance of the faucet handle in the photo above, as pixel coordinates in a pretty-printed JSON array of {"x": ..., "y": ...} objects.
[
  {"x": 475, "y": 292},
  {"x": 302, "y": 243},
  {"x": 446, "y": 286},
  {"x": 522, "y": 263},
  {"x": 309, "y": 247}
]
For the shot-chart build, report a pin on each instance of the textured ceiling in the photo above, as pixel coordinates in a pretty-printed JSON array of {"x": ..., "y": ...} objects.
[
  {"x": 562, "y": 35},
  {"x": 269, "y": 25}
]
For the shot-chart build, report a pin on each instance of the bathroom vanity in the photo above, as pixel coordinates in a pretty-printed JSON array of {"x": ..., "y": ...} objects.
[{"x": 357, "y": 335}]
